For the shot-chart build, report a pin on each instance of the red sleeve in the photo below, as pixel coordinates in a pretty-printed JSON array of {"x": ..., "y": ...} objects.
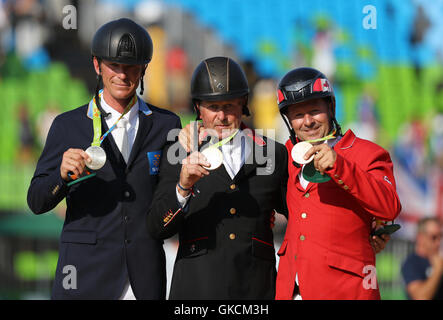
[{"x": 367, "y": 174}]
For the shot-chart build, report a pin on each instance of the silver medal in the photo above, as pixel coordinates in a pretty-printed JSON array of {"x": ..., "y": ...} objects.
[
  {"x": 299, "y": 150},
  {"x": 214, "y": 157},
  {"x": 98, "y": 157}
]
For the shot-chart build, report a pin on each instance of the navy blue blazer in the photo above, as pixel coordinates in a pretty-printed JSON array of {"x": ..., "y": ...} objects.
[{"x": 104, "y": 240}]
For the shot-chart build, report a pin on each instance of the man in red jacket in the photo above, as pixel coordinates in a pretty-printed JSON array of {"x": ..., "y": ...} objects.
[{"x": 337, "y": 187}]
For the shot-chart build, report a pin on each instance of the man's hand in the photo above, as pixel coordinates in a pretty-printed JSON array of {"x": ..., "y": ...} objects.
[
  {"x": 187, "y": 136},
  {"x": 74, "y": 160},
  {"x": 324, "y": 157},
  {"x": 192, "y": 171},
  {"x": 436, "y": 263},
  {"x": 379, "y": 243}
]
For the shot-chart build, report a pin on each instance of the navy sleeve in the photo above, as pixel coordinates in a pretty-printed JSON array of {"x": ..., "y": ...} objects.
[
  {"x": 413, "y": 269},
  {"x": 47, "y": 187}
]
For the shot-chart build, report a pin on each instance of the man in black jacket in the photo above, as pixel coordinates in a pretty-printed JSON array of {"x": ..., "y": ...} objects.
[
  {"x": 220, "y": 200},
  {"x": 105, "y": 249}
]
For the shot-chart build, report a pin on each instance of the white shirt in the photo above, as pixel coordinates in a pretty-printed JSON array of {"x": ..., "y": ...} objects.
[
  {"x": 131, "y": 116},
  {"x": 234, "y": 154}
]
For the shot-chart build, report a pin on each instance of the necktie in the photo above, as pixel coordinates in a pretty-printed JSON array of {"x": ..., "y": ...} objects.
[{"x": 122, "y": 138}]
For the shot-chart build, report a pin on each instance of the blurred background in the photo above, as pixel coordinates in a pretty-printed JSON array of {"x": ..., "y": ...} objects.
[{"x": 385, "y": 62}]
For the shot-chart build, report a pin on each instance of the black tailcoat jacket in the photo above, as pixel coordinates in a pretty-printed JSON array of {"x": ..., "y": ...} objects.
[
  {"x": 104, "y": 240},
  {"x": 226, "y": 248}
]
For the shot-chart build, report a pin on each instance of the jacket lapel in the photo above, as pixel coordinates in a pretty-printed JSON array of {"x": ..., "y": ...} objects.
[
  {"x": 249, "y": 166},
  {"x": 223, "y": 174},
  {"x": 144, "y": 127}
]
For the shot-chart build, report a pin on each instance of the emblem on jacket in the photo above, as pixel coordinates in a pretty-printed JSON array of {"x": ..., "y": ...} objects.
[{"x": 154, "y": 161}]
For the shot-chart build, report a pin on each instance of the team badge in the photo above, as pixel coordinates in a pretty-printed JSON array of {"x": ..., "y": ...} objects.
[{"x": 154, "y": 161}]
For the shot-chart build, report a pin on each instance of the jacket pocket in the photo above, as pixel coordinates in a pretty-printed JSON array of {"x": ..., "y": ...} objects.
[
  {"x": 262, "y": 249},
  {"x": 86, "y": 237},
  {"x": 282, "y": 250},
  {"x": 193, "y": 248},
  {"x": 346, "y": 263}
]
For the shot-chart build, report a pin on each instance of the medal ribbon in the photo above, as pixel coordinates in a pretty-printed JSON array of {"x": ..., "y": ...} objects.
[
  {"x": 98, "y": 124},
  {"x": 224, "y": 141},
  {"x": 328, "y": 137}
]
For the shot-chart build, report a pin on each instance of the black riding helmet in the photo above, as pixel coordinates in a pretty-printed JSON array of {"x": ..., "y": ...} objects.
[
  {"x": 122, "y": 41},
  {"x": 217, "y": 79},
  {"x": 303, "y": 84}
]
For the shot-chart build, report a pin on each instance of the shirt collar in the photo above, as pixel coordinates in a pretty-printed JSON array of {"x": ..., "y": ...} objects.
[
  {"x": 115, "y": 114},
  {"x": 142, "y": 106}
]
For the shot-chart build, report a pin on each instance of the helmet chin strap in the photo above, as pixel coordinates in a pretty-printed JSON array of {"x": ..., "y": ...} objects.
[
  {"x": 245, "y": 109},
  {"x": 97, "y": 89},
  {"x": 197, "y": 109},
  {"x": 292, "y": 135},
  {"x": 334, "y": 121},
  {"x": 337, "y": 126},
  {"x": 142, "y": 88}
]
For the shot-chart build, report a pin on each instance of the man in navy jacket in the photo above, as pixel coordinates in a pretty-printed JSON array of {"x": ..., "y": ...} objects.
[{"x": 105, "y": 250}]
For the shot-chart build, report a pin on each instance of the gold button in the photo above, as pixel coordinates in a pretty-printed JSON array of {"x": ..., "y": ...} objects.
[
  {"x": 232, "y": 236},
  {"x": 232, "y": 186},
  {"x": 302, "y": 238},
  {"x": 304, "y": 215},
  {"x": 340, "y": 181},
  {"x": 232, "y": 211},
  {"x": 307, "y": 195},
  {"x": 335, "y": 175},
  {"x": 345, "y": 187}
]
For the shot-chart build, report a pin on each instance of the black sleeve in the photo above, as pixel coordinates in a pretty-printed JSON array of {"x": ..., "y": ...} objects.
[
  {"x": 165, "y": 214},
  {"x": 282, "y": 163}
]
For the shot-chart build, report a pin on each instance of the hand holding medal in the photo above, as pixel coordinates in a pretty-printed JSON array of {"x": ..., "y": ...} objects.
[
  {"x": 193, "y": 169},
  {"x": 315, "y": 158},
  {"x": 198, "y": 164},
  {"x": 213, "y": 153},
  {"x": 72, "y": 168},
  {"x": 94, "y": 156}
]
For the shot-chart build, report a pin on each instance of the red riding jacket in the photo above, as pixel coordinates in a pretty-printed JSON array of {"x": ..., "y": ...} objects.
[{"x": 327, "y": 237}]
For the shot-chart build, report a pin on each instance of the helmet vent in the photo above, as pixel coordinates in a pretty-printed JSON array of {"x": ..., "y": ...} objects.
[{"x": 126, "y": 47}]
